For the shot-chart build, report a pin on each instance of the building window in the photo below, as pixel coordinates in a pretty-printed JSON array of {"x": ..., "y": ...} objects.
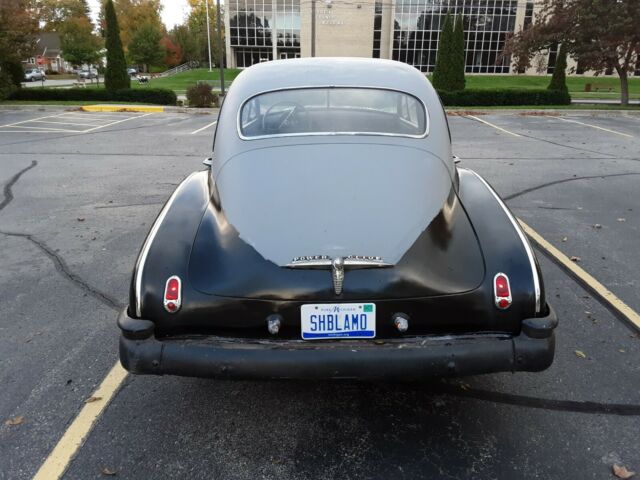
[
  {"x": 377, "y": 29},
  {"x": 417, "y": 26},
  {"x": 528, "y": 15},
  {"x": 255, "y": 24}
]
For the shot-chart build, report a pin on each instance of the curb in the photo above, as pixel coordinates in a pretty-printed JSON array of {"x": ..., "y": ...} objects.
[{"x": 123, "y": 108}]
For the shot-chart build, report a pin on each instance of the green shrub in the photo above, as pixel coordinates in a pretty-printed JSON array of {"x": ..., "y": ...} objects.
[
  {"x": 200, "y": 95},
  {"x": 116, "y": 76},
  {"x": 503, "y": 97},
  {"x": 160, "y": 96},
  {"x": 6, "y": 85},
  {"x": 559, "y": 78}
]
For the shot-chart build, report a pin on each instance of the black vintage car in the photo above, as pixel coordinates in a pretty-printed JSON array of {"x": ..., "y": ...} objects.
[{"x": 334, "y": 236}]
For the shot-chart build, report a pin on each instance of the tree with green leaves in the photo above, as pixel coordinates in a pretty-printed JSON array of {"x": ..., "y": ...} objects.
[
  {"x": 78, "y": 42},
  {"x": 116, "y": 76},
  {"x": 144, "y": 47},
  {"x": 559, "y": 77},
  {"x": 54, "y": 14},
  {"x": 443, "y": 74},
  {"x": 18, "y": 28},
  {"x": 189, "y": 43},
  {"x": 598, "y": 34},
  {"x": 457, "y": 56}
]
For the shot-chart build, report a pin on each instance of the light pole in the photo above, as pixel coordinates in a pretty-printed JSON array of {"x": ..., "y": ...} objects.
[
  {"x": 206, "y": 6},
  {"x": 220, "y": 58}
]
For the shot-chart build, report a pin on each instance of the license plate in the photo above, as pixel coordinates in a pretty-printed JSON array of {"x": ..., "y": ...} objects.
[{"x": 338, "y": 320}]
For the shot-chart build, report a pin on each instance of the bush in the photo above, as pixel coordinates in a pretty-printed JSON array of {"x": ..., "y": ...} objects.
[
  {"x": 6, "y": 86},
  {"x": 504, "y": 97},
  {"x": 200, "y": 95},
  {"x": 158, "y": 96}
]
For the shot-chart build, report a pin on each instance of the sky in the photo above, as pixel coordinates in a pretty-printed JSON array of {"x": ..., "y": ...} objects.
[{"x": 173, "y": 11}]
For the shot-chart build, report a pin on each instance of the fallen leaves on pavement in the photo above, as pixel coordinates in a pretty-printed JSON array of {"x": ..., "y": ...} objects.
[
  {"x": 580, "y": 354},
  {"x": 108, "y": 471},
  {"x": 575, "y": 259},
  {"x": 621, "y": 471},
  {"x": 14, "y": 421},
  {"x": 92, "y": 399}
]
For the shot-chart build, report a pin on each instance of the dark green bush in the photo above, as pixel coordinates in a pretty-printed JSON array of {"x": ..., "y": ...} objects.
[
  {"x": 6, "y": 86},
  {"x": 200, "y": 95},
  {"x": 158, "y": 96},
  {"x": 503, "y": 97}
]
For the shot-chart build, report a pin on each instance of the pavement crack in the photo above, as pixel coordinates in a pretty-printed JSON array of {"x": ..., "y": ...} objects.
[
  {"x": 8, "y": 192},
  {"x": 63, "y": 269},
  {"x": 543, "y": 403},
  {"x": 565, "y": 180}
]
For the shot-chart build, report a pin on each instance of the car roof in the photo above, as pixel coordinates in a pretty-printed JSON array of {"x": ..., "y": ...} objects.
[{"x": 329, "y": 71}]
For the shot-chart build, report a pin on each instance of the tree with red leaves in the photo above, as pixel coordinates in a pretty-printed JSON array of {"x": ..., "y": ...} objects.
[{"x": 598, "y": 34}]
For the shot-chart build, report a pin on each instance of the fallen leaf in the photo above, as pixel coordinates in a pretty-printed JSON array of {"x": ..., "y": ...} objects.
[
  {"x": 580, "y": 354},
  {"x": 597, "y": 226},
  {"x": 465, "y": 386},
  {"x": 573, "y": 258},
  {"x": 80, "y": 219},
  {"x": 622, "y": 220},
  {"x": 14, "y": 421},
  {"x": 622, "y": 350},
  {"x": 621, "y": 471},
  {"x": 92, "y": 399},
  {"x": 564, "y": 239},
  {"x": 108, "y": 471}
]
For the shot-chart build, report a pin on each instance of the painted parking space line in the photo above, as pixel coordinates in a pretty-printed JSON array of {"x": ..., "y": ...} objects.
[
  {"x": 492, "y": 125},
  {"x": 27, "y": 121},
  {"x": 204, "y": 128},
  {"x": 612, "y": 301},
  {"x": 53, "y": 122},
  {"x": 60, "y": 457},
  {"x": 38, "y": 129},
  {"x": 116, "y": 122},
  {"x": 593, "y": 126}
]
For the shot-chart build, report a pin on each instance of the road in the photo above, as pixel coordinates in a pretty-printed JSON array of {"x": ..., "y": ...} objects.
[
  {"x": 51, "y": 82},
  {"x": 80, "y": 193}
]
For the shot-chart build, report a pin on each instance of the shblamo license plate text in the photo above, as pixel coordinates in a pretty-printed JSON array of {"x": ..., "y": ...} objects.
[{"x": 338, "y": 320}]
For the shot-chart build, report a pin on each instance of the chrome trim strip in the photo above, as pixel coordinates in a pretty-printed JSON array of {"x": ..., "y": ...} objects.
[
  {"x": 523, "y": 238},
  {"x": 315, "y": 134},
  {"x": 142, "y": 258}
]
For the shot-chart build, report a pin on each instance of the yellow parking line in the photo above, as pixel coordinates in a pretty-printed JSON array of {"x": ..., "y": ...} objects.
[
  {"x": 607, "y": 295},
  {"x": 494, "y": 126},
  {"x": 123, "y": 108},
  {"x": 59, "y": 459},
  {"x": 593, "y": 126}
]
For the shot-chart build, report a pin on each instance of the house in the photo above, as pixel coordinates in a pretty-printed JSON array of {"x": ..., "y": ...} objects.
[{"x": 48, "y": 54}]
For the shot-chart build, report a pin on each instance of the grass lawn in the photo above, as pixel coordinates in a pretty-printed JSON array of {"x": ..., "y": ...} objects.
[
  {"x": 576, "y": 84},
  {"x": 181, "y": 81}
]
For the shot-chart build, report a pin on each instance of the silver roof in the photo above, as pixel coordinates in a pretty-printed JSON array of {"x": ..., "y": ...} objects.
[{"x": 334, "y": 71}]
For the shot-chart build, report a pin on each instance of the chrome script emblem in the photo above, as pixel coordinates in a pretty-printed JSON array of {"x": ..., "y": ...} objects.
[{"x": 338, "y": 265}]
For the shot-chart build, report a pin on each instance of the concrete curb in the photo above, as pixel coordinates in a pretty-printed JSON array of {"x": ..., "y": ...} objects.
[
  {"x": 123, "y": 108},
  {"x": 58, "y": 108}
]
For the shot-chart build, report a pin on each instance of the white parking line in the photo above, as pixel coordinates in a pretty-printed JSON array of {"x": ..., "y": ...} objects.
[
  {"x": 492, "y": 125},
  {"x": 594, "y": 126},
  {"x": 204, "y": 128},
  {"x": 114, "y": 123},
  {"x": 26, "y": 121},
  {"x": 48, "y": 129},
  {"x": 64, "y": 123}
]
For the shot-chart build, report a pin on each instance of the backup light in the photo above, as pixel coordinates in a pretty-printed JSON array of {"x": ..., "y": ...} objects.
[
  {"x": 502, "y": 291},
  {"x": 173, "y": 294}
]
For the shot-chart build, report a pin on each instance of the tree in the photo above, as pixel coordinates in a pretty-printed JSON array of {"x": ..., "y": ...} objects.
[
  {"x": 144, "y": 47},
  {"x": 197, "y": 22},
  {"x": 134, "y": 13},
  {"x": 18, "y": 27},
  {"x": 598, "y": 34},
  {"x": 172, "y": 52},
  {"x": 559, "y": 77},
  {"x": 53, "y": 14},
  {"x": 443, "y": 74},
  {"x": 188, "y": 41},
  {"x": 116, "y": 76},
  {"x": 458, "y": 57},
  {"x": 78, "y": 43}
]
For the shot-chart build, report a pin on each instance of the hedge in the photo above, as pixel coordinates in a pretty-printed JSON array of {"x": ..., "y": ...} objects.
[
  {"x": 159, "y": 96},
  {"x": 502, "y": 97}
]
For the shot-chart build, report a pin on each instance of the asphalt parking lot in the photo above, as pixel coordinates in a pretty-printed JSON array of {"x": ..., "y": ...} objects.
[{"x": 80, "y": 191}]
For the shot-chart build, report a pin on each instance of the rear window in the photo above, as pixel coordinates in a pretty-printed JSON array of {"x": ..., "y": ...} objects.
[{"x": 331, "y": 111}]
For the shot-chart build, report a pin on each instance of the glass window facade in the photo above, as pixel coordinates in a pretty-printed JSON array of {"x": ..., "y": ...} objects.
[
  {"x": 254, "y": 24},
  {"x": 377, "y": 29},
  {"x": 487, "y": 23}
]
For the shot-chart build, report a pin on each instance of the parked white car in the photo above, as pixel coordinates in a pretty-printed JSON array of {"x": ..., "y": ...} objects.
[{"x": 34, "y": 74}]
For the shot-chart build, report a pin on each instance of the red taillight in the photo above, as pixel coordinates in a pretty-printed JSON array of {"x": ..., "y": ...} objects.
[
  {"x": 172, "y": 294},
  {"x": 502, "y": 291}
]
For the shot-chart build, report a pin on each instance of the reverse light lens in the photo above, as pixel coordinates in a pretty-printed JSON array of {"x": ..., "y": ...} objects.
[
  {"x": 502, "y": 291},
  {"x": 172, "y": 294}
]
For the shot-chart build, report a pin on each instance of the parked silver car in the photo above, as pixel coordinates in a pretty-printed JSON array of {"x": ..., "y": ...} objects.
[
  {"x": 34, "y": 74},
  {"x": 88, "y": 73}
]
